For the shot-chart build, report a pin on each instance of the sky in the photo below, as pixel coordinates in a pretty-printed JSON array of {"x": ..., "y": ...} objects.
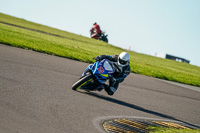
[{"x": 153, "y": 27}]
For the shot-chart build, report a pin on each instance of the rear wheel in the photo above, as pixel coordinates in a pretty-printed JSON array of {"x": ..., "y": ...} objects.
[
  {"x": 82, "y": 82},
  {"x": 105, "y": 39}
]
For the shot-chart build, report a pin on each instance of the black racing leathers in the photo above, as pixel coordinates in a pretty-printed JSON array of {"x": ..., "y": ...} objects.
[{"x": 119, "y": 75}]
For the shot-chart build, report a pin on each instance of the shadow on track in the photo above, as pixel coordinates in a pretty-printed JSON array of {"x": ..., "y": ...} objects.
[{"x": 129, "y": 105}]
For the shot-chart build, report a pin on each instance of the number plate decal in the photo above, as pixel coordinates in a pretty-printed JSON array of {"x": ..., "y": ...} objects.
[{"x": 100, "y": 69}]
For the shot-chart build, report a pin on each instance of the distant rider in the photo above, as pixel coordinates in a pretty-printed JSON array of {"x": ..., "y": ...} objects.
[
  {"x": 122, "y": 62},
  {"x": 95, "y": 31}
]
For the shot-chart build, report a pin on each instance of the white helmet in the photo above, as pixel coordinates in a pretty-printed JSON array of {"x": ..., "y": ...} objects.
[{"x": 123, "y": 59}]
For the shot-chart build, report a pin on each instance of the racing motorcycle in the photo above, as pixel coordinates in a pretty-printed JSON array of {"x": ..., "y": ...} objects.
[
  {"x": 95, "y": 75},
  {"x": 102, "y": 37}
]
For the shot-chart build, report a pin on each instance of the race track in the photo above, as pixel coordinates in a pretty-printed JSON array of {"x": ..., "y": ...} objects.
[{"x": 36, "y": 96}]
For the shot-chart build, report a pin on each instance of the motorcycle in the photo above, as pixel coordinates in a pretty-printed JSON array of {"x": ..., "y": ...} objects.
[
  {"x": 95, "y": 75},
  {"x": 102, "y": 36}
]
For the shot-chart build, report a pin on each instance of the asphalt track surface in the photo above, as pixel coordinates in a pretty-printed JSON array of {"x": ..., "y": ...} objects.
[{"x": 36, "y": 96}]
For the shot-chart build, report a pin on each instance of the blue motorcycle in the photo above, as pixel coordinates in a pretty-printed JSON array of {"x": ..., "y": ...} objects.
[{"x": 95, "y": 75}]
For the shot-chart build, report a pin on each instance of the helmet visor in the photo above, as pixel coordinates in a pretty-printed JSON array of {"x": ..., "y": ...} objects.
[{"x": 122, "y": 61}]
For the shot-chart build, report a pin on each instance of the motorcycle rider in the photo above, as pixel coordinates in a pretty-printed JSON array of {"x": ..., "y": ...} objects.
[
  {"x": 122, "y": 62},
  {"x": 95, "y": 31}
]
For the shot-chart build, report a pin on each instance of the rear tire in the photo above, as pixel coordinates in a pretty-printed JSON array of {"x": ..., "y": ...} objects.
[
  {"x": 81, "y": 82},
  {"x": 105, "y": 39}
]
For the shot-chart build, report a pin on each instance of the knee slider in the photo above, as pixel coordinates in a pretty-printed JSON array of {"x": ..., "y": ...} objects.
[{"x": 111, "y": 91}]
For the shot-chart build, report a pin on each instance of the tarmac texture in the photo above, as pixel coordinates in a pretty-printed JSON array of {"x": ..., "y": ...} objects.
[{"x": 36, "y": 97}]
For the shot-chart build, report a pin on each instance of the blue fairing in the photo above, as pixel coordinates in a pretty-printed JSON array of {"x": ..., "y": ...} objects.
[{"x": 101, "y": 70}]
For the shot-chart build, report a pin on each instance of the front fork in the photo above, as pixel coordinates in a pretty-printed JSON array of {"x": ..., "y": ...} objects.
[
  {"x": 86, "y": 70},
  {"x": 99, "y": 86}
]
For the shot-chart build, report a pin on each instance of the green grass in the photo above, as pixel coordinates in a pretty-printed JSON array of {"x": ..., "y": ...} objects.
[
  {"x": 81, "y": 48},
  {"x": 172, "y": 130}
]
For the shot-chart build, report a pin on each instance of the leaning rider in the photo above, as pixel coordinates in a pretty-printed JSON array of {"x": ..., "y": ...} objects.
[{"x": 122, "y": 62}]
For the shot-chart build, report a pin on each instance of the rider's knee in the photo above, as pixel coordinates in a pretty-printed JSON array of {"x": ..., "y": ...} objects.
[
  {"x": 110, "y": 93},
  {"x": 111, "y": 90}
]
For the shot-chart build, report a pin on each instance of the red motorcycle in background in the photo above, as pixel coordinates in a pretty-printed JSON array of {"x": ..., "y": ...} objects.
[{"x": 100, "y": 36}]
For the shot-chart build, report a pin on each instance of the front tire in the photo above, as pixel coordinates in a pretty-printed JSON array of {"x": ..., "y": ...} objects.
[{"x": 81, "y": 82}]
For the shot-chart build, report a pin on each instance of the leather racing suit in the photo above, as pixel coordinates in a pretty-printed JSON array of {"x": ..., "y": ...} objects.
[{"x": 118, "y": 76}]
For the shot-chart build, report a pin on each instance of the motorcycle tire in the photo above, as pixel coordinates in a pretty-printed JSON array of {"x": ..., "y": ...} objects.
[
  {"x": 76, "y": 86},
  {"x": 106, "y": 40}
]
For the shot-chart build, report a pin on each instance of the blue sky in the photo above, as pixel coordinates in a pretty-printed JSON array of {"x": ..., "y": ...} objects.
[{"x": 146, "y": 26}]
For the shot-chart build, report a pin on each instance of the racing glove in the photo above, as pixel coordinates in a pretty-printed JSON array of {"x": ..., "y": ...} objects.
[{"x": 97, "y": 58}]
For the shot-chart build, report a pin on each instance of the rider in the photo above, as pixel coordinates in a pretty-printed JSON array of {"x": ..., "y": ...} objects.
[
  {"x": 95, "y": 31},
  {"x": 122, "y": 62}
]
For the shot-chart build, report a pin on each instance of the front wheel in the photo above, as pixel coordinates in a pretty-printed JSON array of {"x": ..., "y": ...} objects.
[{"x": 82, "y": 82}]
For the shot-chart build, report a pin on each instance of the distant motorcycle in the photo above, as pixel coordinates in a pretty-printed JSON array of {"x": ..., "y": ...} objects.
[{"x": 102, "y": 36}]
